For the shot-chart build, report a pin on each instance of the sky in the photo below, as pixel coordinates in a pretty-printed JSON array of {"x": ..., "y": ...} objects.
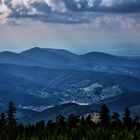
[{"x": 111, "y": 26}]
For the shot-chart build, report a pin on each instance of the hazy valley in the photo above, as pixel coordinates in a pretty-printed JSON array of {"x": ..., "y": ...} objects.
[{"x": 39, "y": 80}]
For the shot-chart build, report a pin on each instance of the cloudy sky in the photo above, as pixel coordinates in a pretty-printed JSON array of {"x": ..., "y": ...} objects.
[{"x": 111, "y": 26}]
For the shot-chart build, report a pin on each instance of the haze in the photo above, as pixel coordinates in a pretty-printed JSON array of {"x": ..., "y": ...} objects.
[{"x": 79, "y": 26}]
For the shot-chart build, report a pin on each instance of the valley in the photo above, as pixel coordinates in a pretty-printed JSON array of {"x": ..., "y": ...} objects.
[{"x": 40, "y": 79}]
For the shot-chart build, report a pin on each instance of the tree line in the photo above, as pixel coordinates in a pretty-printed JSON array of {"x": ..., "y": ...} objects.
[{"x": 109, "y": 127}]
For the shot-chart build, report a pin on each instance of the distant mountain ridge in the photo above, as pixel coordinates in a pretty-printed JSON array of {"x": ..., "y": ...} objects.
[
  {"x": 49, "y": 56},
  {"x": 58, "y": 58},
  {"x": 103, "y": 58}
]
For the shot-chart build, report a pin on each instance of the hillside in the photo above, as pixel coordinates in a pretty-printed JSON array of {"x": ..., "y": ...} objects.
[
  {"x": 60, "y": 58},
  {"x": 40, "y": 78}
]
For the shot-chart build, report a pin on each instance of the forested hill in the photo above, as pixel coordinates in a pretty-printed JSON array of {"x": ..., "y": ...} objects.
[{"x": 108, "y": 127}]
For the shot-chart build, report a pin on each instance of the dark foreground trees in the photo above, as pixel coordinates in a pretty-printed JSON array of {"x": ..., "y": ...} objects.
[{"x": 72, "y": 128}]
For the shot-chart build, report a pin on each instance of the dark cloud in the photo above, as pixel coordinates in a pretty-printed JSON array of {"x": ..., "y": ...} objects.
[
  {"x": 63, "y": 11},
  {"x": 104, "y": 5}
]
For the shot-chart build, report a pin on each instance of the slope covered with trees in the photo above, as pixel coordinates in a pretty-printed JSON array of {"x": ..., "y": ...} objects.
[{"x": 109, "y": 127}]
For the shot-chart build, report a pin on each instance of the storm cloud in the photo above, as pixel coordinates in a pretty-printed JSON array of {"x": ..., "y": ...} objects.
[{"x": 62, "y": 11}]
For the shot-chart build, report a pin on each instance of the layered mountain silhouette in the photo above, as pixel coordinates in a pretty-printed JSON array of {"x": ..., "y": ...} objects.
[
  {"x": 38, "y": 78},
  {"x": 61, "y": 58}
]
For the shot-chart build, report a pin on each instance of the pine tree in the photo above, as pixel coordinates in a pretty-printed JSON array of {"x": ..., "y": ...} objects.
[
  {"x": 116, "y": 122},
  {"x": 2, "y": 121},
  {"x": 11, "y": 114},
  {"x": 127, "y": 118},
  {"x": 104, "y": 115},
  {"x": 12, "y": 129},
  {"x": 60, "y": 122},
  {"x": 73, "y": 120}
]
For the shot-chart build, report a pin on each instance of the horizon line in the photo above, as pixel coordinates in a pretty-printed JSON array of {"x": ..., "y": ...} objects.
[{"x": 103, "y": 52}]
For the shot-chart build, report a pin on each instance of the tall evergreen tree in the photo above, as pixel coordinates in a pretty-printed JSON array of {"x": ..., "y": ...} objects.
[
  {"x": 73, "y": 120},
  {"x": 2, "y": 120},
  {"x": 11, "y": 119},
  {"x": 116, "y": 122},
  {"x": 104, "y": 115},
  {"x": 12, "y": 129},
  {"x": 127, "y": 118},
  {"x": 60, "y": 121}
]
